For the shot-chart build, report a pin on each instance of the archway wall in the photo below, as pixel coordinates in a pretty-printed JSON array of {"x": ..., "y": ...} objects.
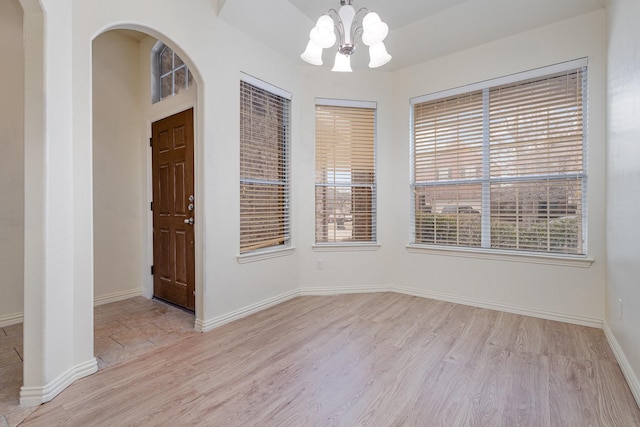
[
  {"x": 118, "y": 159},
  {"x": 52, "y": 360},
  {"x": 59, "y": 242},
  {"x": 122, "y": 117},
  {"x": 11, "y": 162},
  {"x": 203, "y": 41}
]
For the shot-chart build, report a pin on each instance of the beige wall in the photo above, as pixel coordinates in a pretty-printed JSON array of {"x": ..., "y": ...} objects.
[
  {"x": 224, "y": 285},
  {"x": 571, "y": 293},
  {"x": 118, "y": 154},
  {"x": 344, "y": 268},
  {"x": 11, "y": 162},
  {"x": 564, "y": 292},
  {"x": 122, "y": 112},
  {"x": 623, "y": 181},
  {"x": 121, "y": 221}
]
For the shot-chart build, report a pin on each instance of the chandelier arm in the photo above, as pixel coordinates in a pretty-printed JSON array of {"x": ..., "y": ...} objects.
[
  {"x": 339, "y": 26},
  {"x": 361, "y": 13},
  {"x": 356, "y": 35},
  {"x": 356, "y": 27}
]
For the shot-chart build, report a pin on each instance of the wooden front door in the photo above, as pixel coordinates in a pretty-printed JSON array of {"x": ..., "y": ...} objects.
[{"x": 173, "y": 210}]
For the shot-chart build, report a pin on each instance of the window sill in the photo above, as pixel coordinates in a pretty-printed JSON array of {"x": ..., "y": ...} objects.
[
  {"x": 264, "y": 254},
  {"x": 526, "y": 257},
  {"x": 346, "y": 247}
]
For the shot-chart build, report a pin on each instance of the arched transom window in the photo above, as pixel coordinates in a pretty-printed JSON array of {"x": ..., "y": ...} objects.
[{"x": 172, "y": 75}]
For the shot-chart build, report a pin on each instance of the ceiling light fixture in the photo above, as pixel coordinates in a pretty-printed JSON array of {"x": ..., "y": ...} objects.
[{"x": 352, "y": 27}]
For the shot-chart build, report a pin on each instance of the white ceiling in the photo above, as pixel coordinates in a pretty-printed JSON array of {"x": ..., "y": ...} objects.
[
  {"x": 419, "y": 29},
  {"x": 399, "y": 16}
]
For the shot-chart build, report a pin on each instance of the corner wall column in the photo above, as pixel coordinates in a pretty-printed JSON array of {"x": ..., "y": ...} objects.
[{"x": 55, "y": 354}]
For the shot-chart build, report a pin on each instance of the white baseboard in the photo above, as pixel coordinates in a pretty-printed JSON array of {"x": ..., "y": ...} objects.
[
  {"x": 207, "y": 325},
  {"x": 117, "y": 296},
  {"x": 11, "y": 319},
  {"x": 32, "y": 396},
  {"x": 627, "y": 369},
  {"x": 325, "y": 290},
  {"x": 525, "y": 311}
]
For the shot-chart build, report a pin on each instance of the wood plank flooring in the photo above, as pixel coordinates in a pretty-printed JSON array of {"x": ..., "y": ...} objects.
[
  {"x": 362, "y": 360},
  {"x": 123, "y": 330}
]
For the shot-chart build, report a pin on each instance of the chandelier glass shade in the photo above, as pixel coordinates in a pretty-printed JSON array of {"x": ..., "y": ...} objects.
[{"x": 348, "y": 28}]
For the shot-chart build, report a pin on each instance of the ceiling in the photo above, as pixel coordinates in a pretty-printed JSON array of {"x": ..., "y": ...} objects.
[
  {"x": 420, "y": 30},
  {"x": 396, "y": 17}
]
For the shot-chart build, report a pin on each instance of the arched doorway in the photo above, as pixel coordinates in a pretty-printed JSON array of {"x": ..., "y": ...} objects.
[
  {"x": 123, "y": 111},
  {"x": 58, "y": 206}
]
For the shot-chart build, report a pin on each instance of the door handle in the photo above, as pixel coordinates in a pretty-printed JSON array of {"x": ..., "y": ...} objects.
[{"x": 189, "y": 221}]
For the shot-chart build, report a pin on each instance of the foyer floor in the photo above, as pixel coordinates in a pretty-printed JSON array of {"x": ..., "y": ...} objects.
[{"x": 123, "y": 330}]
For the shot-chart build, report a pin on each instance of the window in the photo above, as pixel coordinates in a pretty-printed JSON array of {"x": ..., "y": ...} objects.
[
  {"x": 171, "y": 74},
  {"x": 264, "y": 165},
  {"x": 501, "y": 165},
  {"x": 345, "y": 172}
]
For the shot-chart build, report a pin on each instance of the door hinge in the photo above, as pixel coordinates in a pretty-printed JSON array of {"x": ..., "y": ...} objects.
[
  {"x": 150, "y": 142},
  {"x": 151, "y": 205},
  {"x": 152, "y": 270}
]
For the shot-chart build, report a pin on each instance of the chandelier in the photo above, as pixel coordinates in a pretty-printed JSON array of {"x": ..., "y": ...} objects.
[{"x": 351, "y": 28}]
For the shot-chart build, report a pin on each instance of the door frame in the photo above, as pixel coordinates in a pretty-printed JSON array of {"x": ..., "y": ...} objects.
[{"x": 159, "y": 111}]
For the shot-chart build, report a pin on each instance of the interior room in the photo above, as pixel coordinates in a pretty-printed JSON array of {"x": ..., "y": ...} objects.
[{"x": 85, "y": 99}]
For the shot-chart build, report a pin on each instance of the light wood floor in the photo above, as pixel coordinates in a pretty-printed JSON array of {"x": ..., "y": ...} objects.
[
  {"x": 369, "y": 359},
  {"x": 123, "y": 330}
]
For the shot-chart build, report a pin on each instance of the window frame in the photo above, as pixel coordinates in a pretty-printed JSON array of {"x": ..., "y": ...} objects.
[
  {"x": 157, "y": 76},
  {"x": 351, "y": 245},
  {"x": 286, "y": 247},
  {"x": 485, "y": 250}
]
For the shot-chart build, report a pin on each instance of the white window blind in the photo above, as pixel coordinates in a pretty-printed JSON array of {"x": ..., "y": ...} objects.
[
  {"x": 503, "y": 167},
  {"x": 264, "y": 168},
  {"x": 345, "y": 174}
]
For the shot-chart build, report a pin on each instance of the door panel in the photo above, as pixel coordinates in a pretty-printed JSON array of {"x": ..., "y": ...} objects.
[{"x": 173, "y": 236}]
